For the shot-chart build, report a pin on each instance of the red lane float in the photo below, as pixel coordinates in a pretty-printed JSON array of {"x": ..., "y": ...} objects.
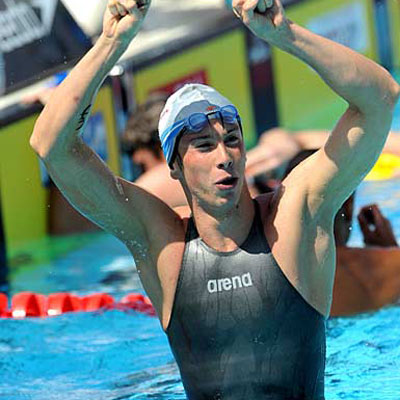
[
  {"x": 60, "y": 303},
  {"x": 28, "y": 304},
  {"x": 97, "y": 301},
  {"x": 138, "y": 302},
  {"x": 3, "y": 305}
]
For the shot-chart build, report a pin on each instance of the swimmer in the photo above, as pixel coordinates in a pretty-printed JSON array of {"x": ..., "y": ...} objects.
[{"x": 242, "y": 287}]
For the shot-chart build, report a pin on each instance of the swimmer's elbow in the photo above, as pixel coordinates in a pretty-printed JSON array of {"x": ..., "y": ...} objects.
[
  {"x": 38, "y": 143},
  {"x": 391, "y": 96},
  {"x": 382, "y": 102},
  {"x": 395, "y": 94},
  {"x": 45, "y": 141}
]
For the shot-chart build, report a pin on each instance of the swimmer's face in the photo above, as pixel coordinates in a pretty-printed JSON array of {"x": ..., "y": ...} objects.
[{"x": 213, "y": 162}]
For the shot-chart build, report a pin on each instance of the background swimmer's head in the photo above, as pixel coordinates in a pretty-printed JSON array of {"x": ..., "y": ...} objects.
[
  {"x": 140, "y": 139},
  {"x": 189, "y": 100},
  {"x": 344, "y": 217}
]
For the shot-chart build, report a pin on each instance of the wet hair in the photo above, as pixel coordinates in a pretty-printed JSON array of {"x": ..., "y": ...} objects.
[{"x": 141, "y": 131}]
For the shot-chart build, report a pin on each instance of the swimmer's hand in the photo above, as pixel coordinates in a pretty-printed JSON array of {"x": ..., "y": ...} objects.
[
  {"x": 265, "y": 18},
  {"x": 377, "y": 230},
  {"x": 123, "y": 19}
]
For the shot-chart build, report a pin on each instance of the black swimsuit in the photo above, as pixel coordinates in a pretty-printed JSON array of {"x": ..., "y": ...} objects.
[{"x": 239, "y": 330}]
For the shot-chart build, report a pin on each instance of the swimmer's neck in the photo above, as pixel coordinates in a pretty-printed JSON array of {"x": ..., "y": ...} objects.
[{"x": 227, "y": 229}]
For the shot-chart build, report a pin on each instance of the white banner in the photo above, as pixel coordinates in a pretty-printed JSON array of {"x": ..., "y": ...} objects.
[
  {"x": 23, "y": 22},
  {"x": 346, "y": 25}
]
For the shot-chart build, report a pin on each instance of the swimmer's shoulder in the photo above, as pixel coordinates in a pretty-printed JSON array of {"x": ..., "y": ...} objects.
[
  {"x": 184, "y": 213},
  {"x": 268, "y": 202}
]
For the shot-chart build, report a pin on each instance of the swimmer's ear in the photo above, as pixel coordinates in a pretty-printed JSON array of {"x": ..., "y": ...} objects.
[
  {"x": 175, "y": 171},
  {"x": 177, "y": 168}
]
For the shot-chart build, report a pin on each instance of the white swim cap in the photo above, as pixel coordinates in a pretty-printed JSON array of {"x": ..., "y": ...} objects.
[{"x": 190, "y": 99}]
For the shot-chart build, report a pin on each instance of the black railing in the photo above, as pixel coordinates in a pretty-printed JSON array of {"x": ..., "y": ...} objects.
[{"x": 3, "y": 259}]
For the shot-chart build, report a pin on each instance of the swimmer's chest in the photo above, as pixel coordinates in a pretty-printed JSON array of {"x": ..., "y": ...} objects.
[{"x": 241, "y": 287}]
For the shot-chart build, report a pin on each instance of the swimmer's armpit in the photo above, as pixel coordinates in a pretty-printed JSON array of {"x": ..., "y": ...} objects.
[{"x": 83, "y": 118}]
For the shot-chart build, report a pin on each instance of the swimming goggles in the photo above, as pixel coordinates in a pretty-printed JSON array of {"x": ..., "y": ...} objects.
[{"x": 196, "y": 122}]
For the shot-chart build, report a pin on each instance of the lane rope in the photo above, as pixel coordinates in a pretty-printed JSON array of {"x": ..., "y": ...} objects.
[{"x": 29, "y": 304}]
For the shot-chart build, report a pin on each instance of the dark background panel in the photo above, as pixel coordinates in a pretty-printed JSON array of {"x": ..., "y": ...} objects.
[{"x": 35, "y": 42}]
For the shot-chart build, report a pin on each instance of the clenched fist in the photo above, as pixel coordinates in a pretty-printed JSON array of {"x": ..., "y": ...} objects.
[
  {"x": 123, "y": 18},
  {"x": 265, "y": 18}
]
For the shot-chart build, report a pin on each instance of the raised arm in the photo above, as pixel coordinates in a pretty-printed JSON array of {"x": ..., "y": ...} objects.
[
  {"x": 357, "y": 140},
  {"x": 114, "y": 204}
]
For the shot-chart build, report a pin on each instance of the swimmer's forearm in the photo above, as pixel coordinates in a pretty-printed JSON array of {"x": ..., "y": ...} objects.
[
  {"x": 357, "y": 79},
  {"x": 66, "y": 113}
]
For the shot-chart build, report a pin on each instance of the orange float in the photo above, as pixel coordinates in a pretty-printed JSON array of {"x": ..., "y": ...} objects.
[
  {"x": 97, "y": 301},
  {"x": 28, "y": 304},
  {"x": 3, "y": 305},
  {"x": 60, "y": 303}
]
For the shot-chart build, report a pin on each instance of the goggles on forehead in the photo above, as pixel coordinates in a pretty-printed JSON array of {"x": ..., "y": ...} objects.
[{"x": 196, "y": 122}]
